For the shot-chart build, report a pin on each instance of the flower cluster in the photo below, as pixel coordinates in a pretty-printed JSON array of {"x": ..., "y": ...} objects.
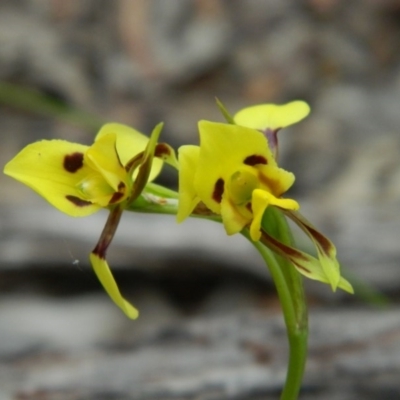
[{"x": 233, "y": 175}]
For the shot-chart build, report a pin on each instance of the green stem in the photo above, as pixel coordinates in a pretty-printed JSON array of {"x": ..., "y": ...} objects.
[
  {"x": 291, "y": 295},
  {"x": 288, "y": 282}
]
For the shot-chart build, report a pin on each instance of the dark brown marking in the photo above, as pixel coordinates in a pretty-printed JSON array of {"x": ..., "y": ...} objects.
[
  {"x": 298, "y": 266},
  {"x": 116, "y": 197},
  {"x": 134, "y": 162},
  {"x": 73, "y": 162},
  {"x": 162, "y": 150},
  {"x": 100, "y": 251},
  {"x": 320, "y": 239},
  {"x": 255, "y": 159},
  {"x": 218, "y": 190},
  {"x": 77, "y": 201},
  {"x": 108, "y": 233},
  {"x": 289, "y": 251}
]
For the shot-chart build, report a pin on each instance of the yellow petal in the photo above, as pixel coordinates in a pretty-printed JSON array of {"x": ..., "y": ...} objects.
[
  {"x": 106, "y": 278},
  {"x": 129, "y": 143},
  {"x": 272, "y": 116},
  {"x": 223, "y": 150},
  {"x": 188, "y": 199},
  {"x": 274, "y": 179},
  {"x": 234, "y": 217},
  {"x": 261, "y": 199},
  {"x": 102, "y": 157},
  {"x": 53, "y": 168}
]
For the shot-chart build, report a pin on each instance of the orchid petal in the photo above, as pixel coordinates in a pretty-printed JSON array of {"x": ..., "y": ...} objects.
[
  {"x": 304, "y": 263},
  {"x": 129, "y": 143},
  {"x": 260, "y": 201},
  {"x": 54, "y": 168},
  {"x": 102, "y": 156},
  {"x": 325, "y": 248},
  {"x": 188, "y": 199},
  {"x": 234, "y": 217},
  {"x": 106, "y": 278},
  {"x": 275, "y": 179},
  {"x": 272, "y": 116}
]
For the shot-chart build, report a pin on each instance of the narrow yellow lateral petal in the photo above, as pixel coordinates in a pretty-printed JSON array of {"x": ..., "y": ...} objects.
[
  {"x": 106, "y": 278},
  {"x": 188, "y": 199},
  {"x": 272, "y": 116},
  {"x": 129, "y": 143},
  {"x": 54, "y": 168},
  {"x": 224, "y": 149}
]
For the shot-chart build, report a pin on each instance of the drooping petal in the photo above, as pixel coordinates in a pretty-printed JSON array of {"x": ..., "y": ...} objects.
[
  {"x": 188, "y": 198},
  {"x": 261, "y": 199},
  {"x": 272, "y": 116},
  {"x": 54, "y": 168},
  {"x": 304, "y": 263},
  {"x": 325, "y": 248},
  {"x": 223, "y": 150},
  {"x": 106, "y": 278},
  {"x": 129, "y": 143}
]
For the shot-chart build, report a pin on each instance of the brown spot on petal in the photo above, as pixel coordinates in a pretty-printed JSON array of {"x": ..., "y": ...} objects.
[
  {"x": 162, "y": 150},
  {"x": 77, "y": 201},
  {"x": 73, "y": 162},
  {"x": 218, "y": 190},
  {"x": 118, "y": 195},
  {"x": 255, "y": 159}
]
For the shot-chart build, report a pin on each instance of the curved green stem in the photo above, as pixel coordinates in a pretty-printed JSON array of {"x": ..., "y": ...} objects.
[
  {"x": 290, "y": 291},
  {"x": 288, "y": 281}
]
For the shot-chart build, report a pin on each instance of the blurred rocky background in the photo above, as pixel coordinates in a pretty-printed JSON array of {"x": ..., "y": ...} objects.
[{"x": 210, "y": 325}]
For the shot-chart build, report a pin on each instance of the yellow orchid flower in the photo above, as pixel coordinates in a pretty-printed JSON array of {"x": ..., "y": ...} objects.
[
  {"x": 80, "y": 180},
  {"x": 234, "y": 174}
]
